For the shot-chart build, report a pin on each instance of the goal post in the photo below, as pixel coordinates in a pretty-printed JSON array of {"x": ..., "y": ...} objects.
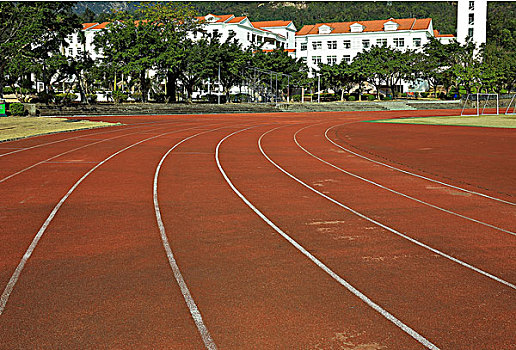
[
  {"x": 480, "y": 104},
  {"x": 511, "y": 106}
]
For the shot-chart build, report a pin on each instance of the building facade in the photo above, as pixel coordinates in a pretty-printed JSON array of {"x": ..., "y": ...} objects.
[{"x": 472, "y": 21}]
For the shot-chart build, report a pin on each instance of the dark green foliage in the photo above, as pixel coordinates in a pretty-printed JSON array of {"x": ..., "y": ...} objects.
[
  {"x": 17, "y": 109},
  {"x": 119, "y": 96}
]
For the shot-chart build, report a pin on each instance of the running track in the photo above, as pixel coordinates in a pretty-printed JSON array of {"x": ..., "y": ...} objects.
[{"x": 278, "y": 231}]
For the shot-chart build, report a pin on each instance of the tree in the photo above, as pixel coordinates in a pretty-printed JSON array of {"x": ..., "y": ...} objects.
[{"x": 32, "y": 32}]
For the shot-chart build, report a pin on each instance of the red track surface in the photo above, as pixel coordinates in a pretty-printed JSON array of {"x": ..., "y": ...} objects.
[{"x": 438, "y": 262}]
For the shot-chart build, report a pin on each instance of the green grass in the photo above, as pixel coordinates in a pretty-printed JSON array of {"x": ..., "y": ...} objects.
[
  {"x": 12, "y": 128},
  {"x": 486, "y": 121}
]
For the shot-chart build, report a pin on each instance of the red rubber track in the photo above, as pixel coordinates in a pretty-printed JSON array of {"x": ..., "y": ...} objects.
[{"x": 99, "y": 277}]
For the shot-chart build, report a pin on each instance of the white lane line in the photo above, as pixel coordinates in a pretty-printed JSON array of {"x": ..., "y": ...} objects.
[
  {"x": 194, "y": 310},
  {"x": 460, "y": 262},
  {"x": 48, "y": 160},
  {"x": 71, "y": 138},
  {"x": 14, "y": 278},
  {"x": 413, "y": 174},
  {"x": 396, "y": 192},
  {"x": 319, "y": 263}
]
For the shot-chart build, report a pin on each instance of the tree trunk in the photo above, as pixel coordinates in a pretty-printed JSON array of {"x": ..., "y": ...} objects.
[{"x": 171, "y": 87}]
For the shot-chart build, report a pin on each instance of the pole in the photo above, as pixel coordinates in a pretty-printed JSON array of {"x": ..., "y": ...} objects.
[
  {"x": 318, "y": 89},
  {"x": 276, "y": 94},
  {"x": 288, "y": 88},
  {"x": 218, "y": 96}
]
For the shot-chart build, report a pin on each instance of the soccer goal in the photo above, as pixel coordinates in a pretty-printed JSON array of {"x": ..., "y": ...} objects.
[
  {"x": 511, "y": 107},
  {"x": 480, "y": 104}
]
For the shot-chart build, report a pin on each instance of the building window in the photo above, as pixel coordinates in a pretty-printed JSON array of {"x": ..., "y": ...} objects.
[
  {"x": 347, "y": 44},
  {"x": 70, "y": 51},
  {"x": 79, "y": 51},
  {"x": 471, "y": 5},
  {"x": 417, "y": 42},
  {"x": 399, "y": 42},
  {"x": 303, "y": 59},
  {"x": 316, "y": 60},
  {"x": 381, "y": 42},
  {"x": 470, "y": 32},
  {"x": 248, "y": 36},
  {"x": 231, "y": 32},
  {"x": 332, "y": 60},
  {"x": 346, "y": 58},
  {"x": 303, "y": 46},
  {"x": 317, "y": 45},
  {"x": 471, "y": 19},
  {"x": 215, "y": 32},
  {"x": 366, "y": 43},
  {"x": 70, "y": 38},
  {"x": 332, "y": 45}
]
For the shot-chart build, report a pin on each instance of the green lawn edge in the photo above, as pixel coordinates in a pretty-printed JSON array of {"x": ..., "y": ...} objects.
[{"x": 490, "y": 121}]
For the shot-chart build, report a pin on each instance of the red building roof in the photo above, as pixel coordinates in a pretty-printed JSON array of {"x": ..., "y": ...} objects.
[{"x": 369, "y": 26}]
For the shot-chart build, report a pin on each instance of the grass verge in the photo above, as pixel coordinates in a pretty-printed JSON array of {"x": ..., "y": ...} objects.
[
  {"x": 486, "y": 121},
  {"x": 13, "y": 128}
]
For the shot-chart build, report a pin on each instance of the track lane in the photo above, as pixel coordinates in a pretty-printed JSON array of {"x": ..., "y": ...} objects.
[
  {"x": 108, "y": 283},
  {"x": 11, "y": 226},
  {"x": 489, "y": 211},
  {"x": 404, "y": 279},
  {"x": 467, "y": 243},
  {"x": 392, "y": 152}
]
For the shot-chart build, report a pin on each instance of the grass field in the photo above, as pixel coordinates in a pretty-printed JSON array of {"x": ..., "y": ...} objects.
[
  {"x": 12, "y": 128},
  {"x": 487, "y": 121}
]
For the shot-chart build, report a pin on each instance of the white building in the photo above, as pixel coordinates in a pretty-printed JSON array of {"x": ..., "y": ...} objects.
[{"x": 472, "y": 21}]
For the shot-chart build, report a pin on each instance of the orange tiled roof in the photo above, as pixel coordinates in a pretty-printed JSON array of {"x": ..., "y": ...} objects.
[
  {"x": 222, "y": 18},
  {"x": 268, "y": 24},
  {"x": 439, "y": 35},
  {"x": 100, "y": 25},
  {"x": 237, "y": 19},
  {"x": 88, "y": 25},
  {"x": 370, "y": 26}
]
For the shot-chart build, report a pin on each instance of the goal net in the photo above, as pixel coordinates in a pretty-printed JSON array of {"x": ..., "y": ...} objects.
[
  {"x": 510, "y": 104},
  {"x": 480, "y": 104}
]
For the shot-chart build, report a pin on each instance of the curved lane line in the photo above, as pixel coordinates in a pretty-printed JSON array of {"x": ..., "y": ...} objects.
[
  {"x": 413, "y": 174},
  {"x": 68, "y": 138},
  {"x": 62, "y": 154},
  {"x": 194, "y": 310},
  {"x": 449, "y": 257},
  {"x": 14, "y": 278},
  {"x": 396, "y": 192},
  {"x": 319, "y": 263}
]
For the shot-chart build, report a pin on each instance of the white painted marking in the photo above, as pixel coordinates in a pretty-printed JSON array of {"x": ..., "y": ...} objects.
[
  {"x": 48, "y": 160},
  {"x": 317, "y": 262},
  {"x": 72, "y": 138},
  {"x": 413, "y": 174},
  {"x": 460, "y": 262},
  {"x": 194, "y": 310},
  {"x": 14, "y": 278},
  {"x": 396, "y": 192}
]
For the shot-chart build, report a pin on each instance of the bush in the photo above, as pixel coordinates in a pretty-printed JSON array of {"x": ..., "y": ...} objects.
[
  {"x": 295, "y": 98},
  {"x": 92, "y": 98},
  {"x": 352, "y": 98},
  {"x": 65, "y": 98},
  {"x": 17, "y": 109},
  {"x": 119, "y": 96},
  {"x": 424, "y": 94},
  {"x": 158, "y": 96},
  {"x": 45, "y": 97},
  {"x": 8, "y": 90},
  {"x": 371, "y": 97}
]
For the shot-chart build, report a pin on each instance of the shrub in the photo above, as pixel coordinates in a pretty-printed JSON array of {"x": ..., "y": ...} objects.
[
  {"x": 424, "y": 94},
  {"x": 295, "y": 98},
  {"x": 17, "y": 109},
  {"x": 119, "y": 96},
  {"x": 137, "y": 96},
  {"x": 8, "y": 90},
  {"x": 351, "y": 98},
  {"x": 92, "y": 98},
  {"x": 158, "y": 96},
  {"x": 45, "y": 97},
  {"x": 65, "y": 98},
  {"x": 371, "y": 97},
  {"x": 388, "y": 98}
]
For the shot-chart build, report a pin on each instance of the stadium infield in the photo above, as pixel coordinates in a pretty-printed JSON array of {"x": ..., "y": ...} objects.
[
  {"x": 283, "y": 231},
  {"x": 484, "y": 121}
]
